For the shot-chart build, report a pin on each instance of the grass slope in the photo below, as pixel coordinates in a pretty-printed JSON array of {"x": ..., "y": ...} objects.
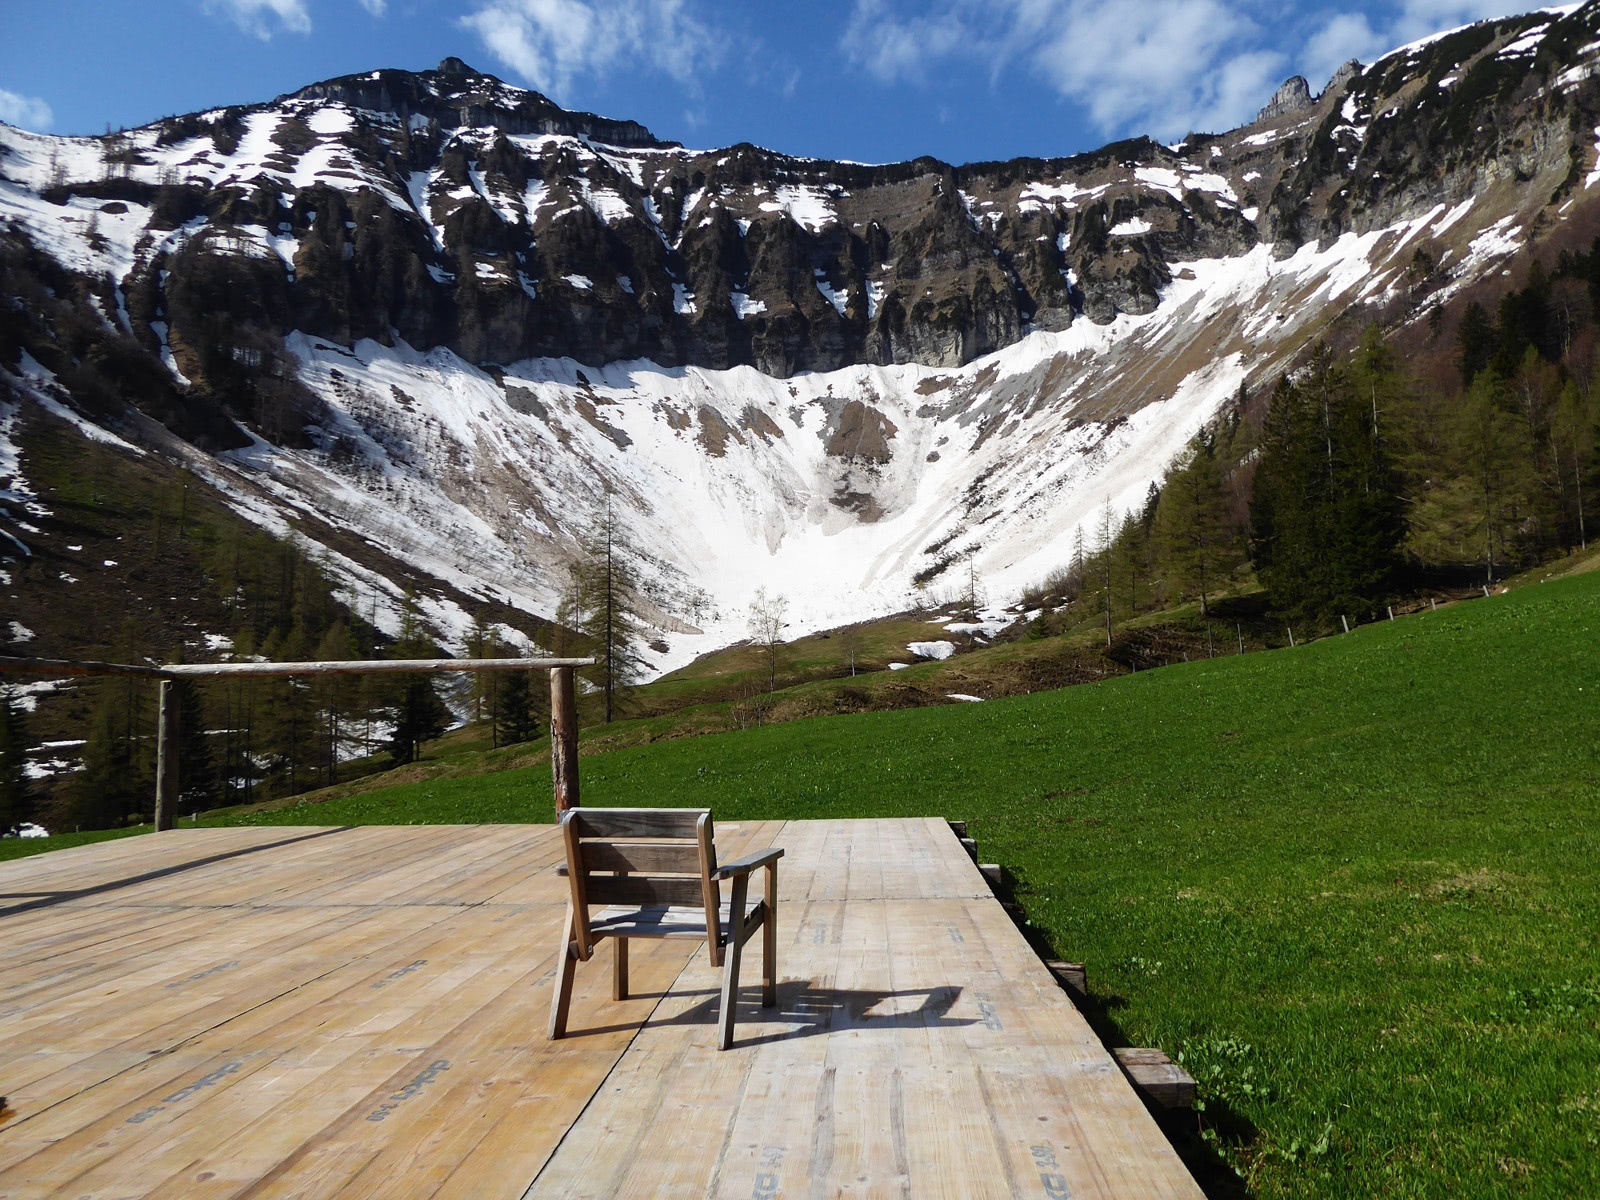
[{"x": 1353, "y": 885}]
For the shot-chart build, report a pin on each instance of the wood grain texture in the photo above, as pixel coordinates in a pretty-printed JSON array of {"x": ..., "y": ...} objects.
[{"x": 361, "y": 1013}]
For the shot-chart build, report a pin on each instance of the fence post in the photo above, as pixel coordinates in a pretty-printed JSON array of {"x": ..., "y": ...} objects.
[
  {"x": 167, "y": 756},
  {"x": 563, "y": 738},
  {"x": 1345, "y": 621}
]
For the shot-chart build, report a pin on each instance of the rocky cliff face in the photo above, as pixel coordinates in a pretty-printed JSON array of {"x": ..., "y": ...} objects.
[
  {"x": 398, "y": 301},
  {"x": 458, "y": 211}
]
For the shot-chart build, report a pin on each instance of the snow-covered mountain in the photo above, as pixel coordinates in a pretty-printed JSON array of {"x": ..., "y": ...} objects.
[{"x": 441, "y": 314}]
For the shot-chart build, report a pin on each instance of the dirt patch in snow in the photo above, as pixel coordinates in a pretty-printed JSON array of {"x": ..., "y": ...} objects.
[
  {"x": 714, "y": 432},
  {"x": 861, "y": 433}
]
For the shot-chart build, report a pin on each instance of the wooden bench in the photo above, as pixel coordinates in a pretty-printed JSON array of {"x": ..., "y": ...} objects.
[{"x": 655, "y": 874}]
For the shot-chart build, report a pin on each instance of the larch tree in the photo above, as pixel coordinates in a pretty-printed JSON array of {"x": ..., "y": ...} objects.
[
  {"x": 1191, "y": 521},
  {"x": 604, "y": 601}
]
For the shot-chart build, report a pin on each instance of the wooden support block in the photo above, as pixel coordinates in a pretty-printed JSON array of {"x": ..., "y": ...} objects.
[
  {"x": 959, "y": 828},
  {"x": 971, "y": 847},
  {"x": 1158, "y": 1079},
  {"x": 1070, "y": 975},
  {"x": 992, "y": 872}
]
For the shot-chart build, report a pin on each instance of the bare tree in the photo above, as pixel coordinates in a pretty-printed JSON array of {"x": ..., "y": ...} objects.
[
  {"x": 766, "y": 629},
  {"x": 972, "y": 599},
  {"x": 850, "y": 647}
]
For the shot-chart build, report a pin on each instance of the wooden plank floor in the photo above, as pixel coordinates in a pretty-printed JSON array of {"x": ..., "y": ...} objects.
[{"x": 360, "y": 1012}]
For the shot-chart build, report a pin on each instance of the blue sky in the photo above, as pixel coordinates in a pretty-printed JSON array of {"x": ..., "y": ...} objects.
[{"x": 872, "y": 80}]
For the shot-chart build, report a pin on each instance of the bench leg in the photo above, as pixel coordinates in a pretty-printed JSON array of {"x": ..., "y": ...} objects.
[
  {"x": 731, "y": 953},
  {"x": 566, "y": 968},
  {"x": 619, "y": 970},
  {"x": 769, "y": 942}
]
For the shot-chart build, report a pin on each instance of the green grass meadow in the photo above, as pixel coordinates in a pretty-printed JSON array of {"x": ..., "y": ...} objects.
[{"x": 1354, "y": 885}]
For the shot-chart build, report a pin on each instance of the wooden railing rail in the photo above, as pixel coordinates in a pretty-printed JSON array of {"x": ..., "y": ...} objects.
[{"x": 563, "y": 703}]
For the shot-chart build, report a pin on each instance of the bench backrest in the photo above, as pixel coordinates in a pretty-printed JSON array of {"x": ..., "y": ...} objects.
[{"x": 640, "y": 857}]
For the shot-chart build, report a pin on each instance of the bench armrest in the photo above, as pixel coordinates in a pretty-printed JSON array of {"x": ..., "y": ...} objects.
[{"x": 743, "y": 866}]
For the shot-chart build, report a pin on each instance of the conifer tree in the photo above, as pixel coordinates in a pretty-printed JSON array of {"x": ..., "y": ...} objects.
[
  {"x": 1326, "y": 515},
  {"x": 198, "y": 781},
  {"x": 1476, "y": 342},
  {"x": 419, "y": 714},
  {"x": 111, "y": 787},
  {"x": 604, "y": 601},
  {"x": 1493, "y": 456},
  {"x": 1191, "y": 521},
  {"x": 14, "y": 798},
  {"x": 517, "y": 715},
  {"x": 334, "y": 696}
]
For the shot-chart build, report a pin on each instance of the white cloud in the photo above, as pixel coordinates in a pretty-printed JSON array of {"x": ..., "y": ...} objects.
[
  {"x": 1345, "y": 36},
  {"x": 1163, "y": 67},
  {"x": 1160, "y": 66},
  {"x": 25, "y": 112},
  {"x": 254, "y": 16},
  {"x": 552, "y": 43},
  {"x": 891, "y": 49},
  {"x": 376, "y": 7}
]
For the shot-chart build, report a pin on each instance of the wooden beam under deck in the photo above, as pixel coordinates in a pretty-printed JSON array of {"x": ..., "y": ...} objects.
[{"x": 360, "y": 1012}]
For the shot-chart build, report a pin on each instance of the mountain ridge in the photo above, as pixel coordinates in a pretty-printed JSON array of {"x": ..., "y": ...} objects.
[{"x": 828, "y": 379}]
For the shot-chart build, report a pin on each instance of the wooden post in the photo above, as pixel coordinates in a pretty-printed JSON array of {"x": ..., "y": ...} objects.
[
  {"x": 1291, "y": 637},
  {"x": 1345, "y": 621},
  {"x": 167, "y": 756},
  {"x": 563, "y": 738}
]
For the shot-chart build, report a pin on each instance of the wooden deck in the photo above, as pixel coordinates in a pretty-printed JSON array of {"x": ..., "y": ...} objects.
[{"x": 360, "y": 1012}]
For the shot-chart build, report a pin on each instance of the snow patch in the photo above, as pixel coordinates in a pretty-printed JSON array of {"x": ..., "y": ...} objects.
[
  {"x": 809, "y": 207},
  {"x": 876, "y": 290},
  {"x": 1034, "y": 196},
  {"x": 836, "y": 298},
  {"x": 26, "y": 695}
]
